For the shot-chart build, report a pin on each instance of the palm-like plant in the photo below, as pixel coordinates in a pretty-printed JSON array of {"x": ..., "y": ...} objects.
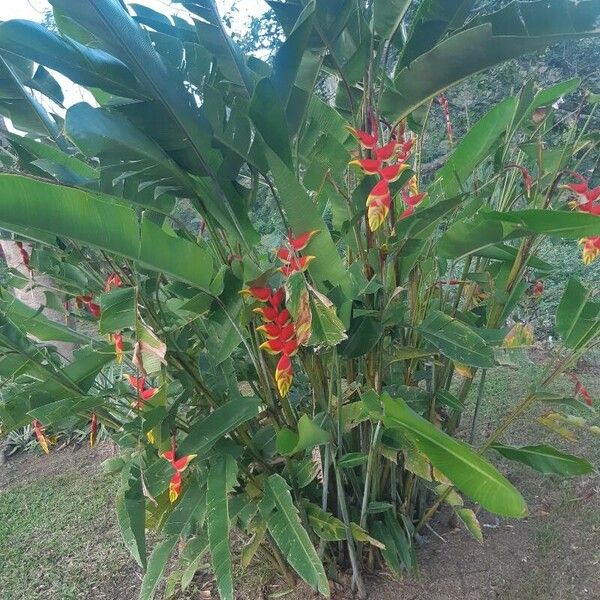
[{"x": 308, "y": 398}]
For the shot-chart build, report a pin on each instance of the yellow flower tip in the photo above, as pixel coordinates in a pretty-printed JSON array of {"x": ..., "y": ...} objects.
[
  {"x": 173, "y": 495},
  {"x": 266, "y": 346},
  {"x": 308, "y": 260},
  {"x": 284, "y": 385},
  {"x": 376, "y": 216},
  {"x": 150, "y": 437}
]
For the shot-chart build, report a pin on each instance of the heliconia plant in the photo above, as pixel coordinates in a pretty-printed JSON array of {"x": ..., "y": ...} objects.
[{"x": 307, "y": 395}]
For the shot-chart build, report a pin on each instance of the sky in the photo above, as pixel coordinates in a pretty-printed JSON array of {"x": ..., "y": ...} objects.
[{"x": 34, "y": 9}]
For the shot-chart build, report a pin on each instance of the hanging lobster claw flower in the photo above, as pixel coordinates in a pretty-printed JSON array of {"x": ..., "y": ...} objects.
[
  {"x": 392, "y": 172},
  {"x": 269, "y": 313},
  {"x": 527, "y": 180},
  {"x": 377, "y": 212},
  {"x": 580, "y": 389},
  {"x": 94, "y": 309},
  {"x": 296, "y": 265},
  {"x": 113, "y": 280},
  {"x": 41, "y": 438},
  {"x": 119, "y": 347},
  {"x": 261, "y": 294},
  {"x": 174, "y": 487},
  {"x": 273, "y": 331},
  {"x": 138, "y": 383},
  {"x": 387, "y": 151},
  {"x": 380, "y": 191},
  {"x": 93, "y": 430},
  {"x": 24, "y": 254},
  {"x": 366, "y": 140},
  {"x": 284, "y": 375},
  {"x": 278, "y": 345},
  {"x": 407, "y": 212},
  {"x": 369, "y": 166},
  {"x": 590, "y": 250},
  {"x": 277, "y": 298},
  {"x": 299, "y": 243},
  {"x": 414, "y": 200},
  {"x": 179, "y": 466}
]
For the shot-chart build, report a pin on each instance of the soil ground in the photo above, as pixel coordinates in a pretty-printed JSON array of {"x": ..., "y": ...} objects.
[{"x": 59, "y": 537}]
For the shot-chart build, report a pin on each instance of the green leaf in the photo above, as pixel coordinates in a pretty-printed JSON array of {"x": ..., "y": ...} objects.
[
  {"x": 34, "y": 206},
  {"x": 271, "y": 124},
  {"x": 474, "y": 147},
  {"x": 131, "y": 507},
  {"x": 87, "y": 66},
  {"x": 186, "y": 508},
  {"x": 577, "y": 318},
  {"x": 387, "y": 16},
  {"x": 157, "y": 563},
  {"x": 327, "y": 327},
  {"x": 309, "y": 435},
  {"x": 456, "y": 340},
  {"x": 352, "y": 459},
  {"x": 561, "y": 223},
  {"x": 36, "y": 323},
  {"x": 221, "y": 480},
  {"x": 364, "y": 333},
  {"x": 278, "y": 510},
  {"x": 468, "y": 471},
  {"x": 205, "y": 433},
  {"x": 546, "y": 459},
  {"x": 118, "y": 310},
  {"x": 468, "y": 517}
]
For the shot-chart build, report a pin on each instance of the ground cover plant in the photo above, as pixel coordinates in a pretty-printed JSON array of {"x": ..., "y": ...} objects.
[{"x": 307, "y": 393}]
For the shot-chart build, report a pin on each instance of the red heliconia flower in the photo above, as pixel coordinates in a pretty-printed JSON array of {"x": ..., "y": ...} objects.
[
  {"x": 386, "y": 151},
  {"x": 537, "y": 289},
  {"x": 586, "y": 195},
  {"x": 117, "y": 338},
  {"x": 94, "y": 309},
  {"x": 527, "y": 180},
  {"x": 366, "y": 140},
  {"x": 139, "y": 383},
  {"x": 405, "y": 149},
  {"x": 580, "y": 389},
  {"x": 413, "y": 200},
  {"x": 277, "y": 298},
  {"x": 93, "y": 430},
  {"x": 369, "y": 166},
  {"x": 262, "y": 294},
  {"x": 590, "y": 249},
  {"x": 284, "y": 375},
  {"x": 378, "y": 204},
  {"x": 269, "y": 313},
  {"x": 113, "y": 280},
  {"x": 279, "y": 345},
  {"x": 273, "y": 331},
  {"x": 179, "y": 466},
  {"x": 446, "y": 109},
  {"x": 41, "y": 438},
  {"x": 296, "y": 265},
  {"x": 24, "y": 254},
  {"x": 392, "y": 172},
  {"x": 407, "y": 212}
]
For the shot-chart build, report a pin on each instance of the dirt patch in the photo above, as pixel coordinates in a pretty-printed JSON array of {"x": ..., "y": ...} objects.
[{"x": 27, "y": 466}]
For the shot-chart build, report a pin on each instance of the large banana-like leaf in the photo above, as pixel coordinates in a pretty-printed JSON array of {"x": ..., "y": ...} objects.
[
  {"x": 577, "y": 317},
  {"x": 221, "y": 480},
  {"x": 277, "y": 508},
  {"x": 546, "y": 459},
  {"x": 87, "y": 66},
  {"x": 130, "y": 514},
  {"x": 453, "y": 59},
  {"x": 25, "y": 112},
  {"x": 467, "y": 470},
  {"x": 36, "y": 323},
  {"x": 456, "y": 340},
  {"x": 157, "y": 563},
  {"x": 102, "y": 221}
]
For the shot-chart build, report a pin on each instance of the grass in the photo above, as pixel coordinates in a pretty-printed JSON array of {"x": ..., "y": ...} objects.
[{"x": 58, "y": 537}]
